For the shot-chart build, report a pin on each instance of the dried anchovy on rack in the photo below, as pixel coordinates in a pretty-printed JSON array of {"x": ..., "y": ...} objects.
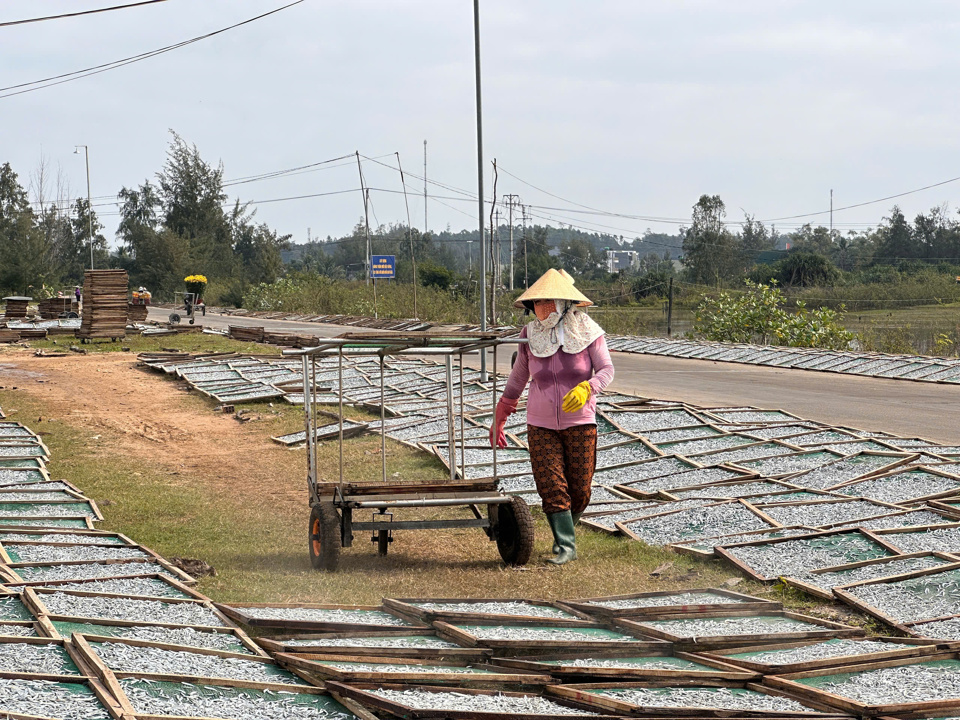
[
  {"x": 940, "y": 539},
  {"x": 870, "y": 572},
  {"x": 756, "y": 625},
  {"x": 945, "y": 629},
  {"x": 25, "y": 658},
  {"x": 17, "y": 630},
  {"x": 912, "y": 518},
  {"x": 688, "y": 478},
  {"x": 643, "y": 663},
  {"x": 680, "y": 598},
  {"x": 901, "y": 487},
  {"x": 130, "y": 609},
  {"x": 518, "y": 632},
  {"x": 151, "y": 587},
  {"x": 922, "y": 682},
  {"x": 330, "y": 615},
  {"x": 386, "y": 641},
  {"x": 399, "y": 668},
  {"x": 725, "y": 698},
  {"x": 505, "y": 607},
  {"x": 816, "y": 651},
  {"x": 50, "y": 699},
  {"x": 8, "y": 537},
  {"x": 826, "y": 513},
  {"x": 461, "y": 702},
  {"x": 186, "y": 637},
  {"x": 12, "y": 608},
  {"x": 63, "y": 553},
  {"x": 708, "y": 544},
  {"x": 796, "y": 557},
  {"x": 735, "y": 490},
  {"x": 925, "y": 597},
  {"x": 186, "y": 699},
  {"x": 87, "y": 571},
  {"x": 160, "y": 661},
  {"x": 706, "y": 521},
  {"x": 840, "y": 471}
]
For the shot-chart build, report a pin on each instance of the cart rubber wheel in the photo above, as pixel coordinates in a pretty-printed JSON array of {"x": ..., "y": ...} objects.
[
  {"x": 324, "y": 538},
  {"x": 514, "y": 528},
  {"x": 191, "y": 321},
  {"x": 174, "y": 319}
]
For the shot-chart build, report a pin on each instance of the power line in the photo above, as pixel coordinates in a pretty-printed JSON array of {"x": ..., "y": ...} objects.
[
  {"x": 869, "y": 202},
  {"x": 77, "y": 14},
  {"x": 97, "y": 69}
]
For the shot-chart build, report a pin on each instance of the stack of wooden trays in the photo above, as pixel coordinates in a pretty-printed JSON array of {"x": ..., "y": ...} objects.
[
  {"x": 247, "y": 333},
  {"x": 136, "y": 312},
  {"x": 16, "y": 306},
  {"x": 52, "y": 308},
  {"x": 104, "y": 304}
]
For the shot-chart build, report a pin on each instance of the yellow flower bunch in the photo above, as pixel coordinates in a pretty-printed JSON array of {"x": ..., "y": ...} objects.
[{"x": 195, "y": 278}]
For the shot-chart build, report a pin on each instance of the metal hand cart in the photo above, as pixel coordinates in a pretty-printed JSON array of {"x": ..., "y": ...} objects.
[
  {"x": 507, "y": 519},
  {"x": 189, "y": 302}
]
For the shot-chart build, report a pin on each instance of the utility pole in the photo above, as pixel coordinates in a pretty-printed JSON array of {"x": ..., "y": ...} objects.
[
  {"x": 831, "y": 213},
  {"x": 670, "y": 310},
  {"x": 483, "y": 260},
  {"x": 86, "y": 157},
  {"x": 366, "y": 217},
  {"x": 498, "y": 270},
  {"x": 526, "y": 271},
  {"x": 426, "y": 227},
  {"x": 413, "y": 258},
  {"x": 511, "y": 199}
]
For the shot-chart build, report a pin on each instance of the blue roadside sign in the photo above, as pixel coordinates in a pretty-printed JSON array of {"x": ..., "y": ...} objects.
[{"x": 383, "y": 267}]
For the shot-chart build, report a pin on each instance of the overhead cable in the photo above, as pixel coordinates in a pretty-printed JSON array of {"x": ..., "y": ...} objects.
[
  {"x": 81, "y": 12},
  {"x": 33, "y": 85}
]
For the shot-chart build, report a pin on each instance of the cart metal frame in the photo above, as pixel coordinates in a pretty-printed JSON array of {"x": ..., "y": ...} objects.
[{"x": 508, "y": 520}]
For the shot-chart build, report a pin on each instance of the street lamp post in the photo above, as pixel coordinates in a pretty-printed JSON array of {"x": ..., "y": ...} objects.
[{"x": 86, "y": 156}]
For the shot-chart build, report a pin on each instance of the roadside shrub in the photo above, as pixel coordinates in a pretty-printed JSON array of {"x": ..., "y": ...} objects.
[{"x": 758, "y": 315}]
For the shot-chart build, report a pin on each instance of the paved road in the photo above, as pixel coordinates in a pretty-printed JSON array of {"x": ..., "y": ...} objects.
[{"x": 928, "y": 410}]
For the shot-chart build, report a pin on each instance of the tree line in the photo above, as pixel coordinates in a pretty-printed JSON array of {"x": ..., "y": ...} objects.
[
  {"x": 171, "y": 226},
  {"x": 181, "y": 222}
]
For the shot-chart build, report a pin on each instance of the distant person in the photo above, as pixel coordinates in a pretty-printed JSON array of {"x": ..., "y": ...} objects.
[{"x": 77, "y": 293}]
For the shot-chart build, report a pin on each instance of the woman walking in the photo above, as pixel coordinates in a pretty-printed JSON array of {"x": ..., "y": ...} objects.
[{"x": 567, "y": 362}]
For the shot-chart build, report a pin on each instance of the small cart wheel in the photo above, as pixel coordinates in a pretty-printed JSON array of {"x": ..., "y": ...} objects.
[
  {"x": 513, "y": 523},
  {"x": 191, "y": 321},
  {"x": 325, "y": 537},
  {"x": 383, "y": 542},
  {"x": 174, "y": 318}
]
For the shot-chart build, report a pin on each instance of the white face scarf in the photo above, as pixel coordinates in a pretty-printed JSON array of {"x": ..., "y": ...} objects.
[{"x": 566, "y": 327}]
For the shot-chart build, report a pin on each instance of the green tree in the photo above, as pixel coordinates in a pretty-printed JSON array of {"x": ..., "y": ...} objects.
[
  {"x": 710, "y": 251},
  {"x": 895, "y": 240},
  {"x": 26, "y": 255},
  {"x": 191, "y": 199}
]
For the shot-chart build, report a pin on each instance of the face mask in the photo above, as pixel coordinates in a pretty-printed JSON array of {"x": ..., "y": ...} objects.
[{"x": 543, "y": 308}]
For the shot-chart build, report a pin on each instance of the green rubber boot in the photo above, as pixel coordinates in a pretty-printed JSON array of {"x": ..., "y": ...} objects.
[
  {"x": 561, "y": 524},
  {"x": 576, "y": 520}
]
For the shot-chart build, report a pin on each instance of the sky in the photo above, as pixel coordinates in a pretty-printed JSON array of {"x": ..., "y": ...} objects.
[{"x": 609, "y": 115}]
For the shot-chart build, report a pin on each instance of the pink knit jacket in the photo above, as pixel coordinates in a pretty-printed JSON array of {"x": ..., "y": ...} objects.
[{"x": 553, "y": 377}]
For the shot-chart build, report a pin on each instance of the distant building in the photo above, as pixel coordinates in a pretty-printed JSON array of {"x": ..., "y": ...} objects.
[{"x": 618, "y": 260}]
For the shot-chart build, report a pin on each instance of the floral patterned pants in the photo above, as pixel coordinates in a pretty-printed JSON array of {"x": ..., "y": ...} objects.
[{"x": 563, "y": 463}]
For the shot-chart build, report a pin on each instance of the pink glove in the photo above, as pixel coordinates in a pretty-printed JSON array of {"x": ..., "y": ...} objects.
[{"x": 505, "y": 408}]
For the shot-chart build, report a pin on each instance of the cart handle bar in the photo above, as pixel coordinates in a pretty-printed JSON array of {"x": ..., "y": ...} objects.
[{"x": 426, "y": 502}]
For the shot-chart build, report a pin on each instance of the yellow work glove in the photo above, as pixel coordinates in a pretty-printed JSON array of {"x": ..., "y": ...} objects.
[{"x": 577, "y": 397}]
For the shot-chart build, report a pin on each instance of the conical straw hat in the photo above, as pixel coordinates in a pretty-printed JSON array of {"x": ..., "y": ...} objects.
[{"x": 552, "y": 285}]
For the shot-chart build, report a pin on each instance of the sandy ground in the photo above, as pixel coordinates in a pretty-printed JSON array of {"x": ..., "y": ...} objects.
[{"x": 139, "y": 414}]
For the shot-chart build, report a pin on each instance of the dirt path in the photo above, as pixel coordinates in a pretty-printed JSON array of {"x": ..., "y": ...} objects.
[{"x": 146, "y": 417}]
